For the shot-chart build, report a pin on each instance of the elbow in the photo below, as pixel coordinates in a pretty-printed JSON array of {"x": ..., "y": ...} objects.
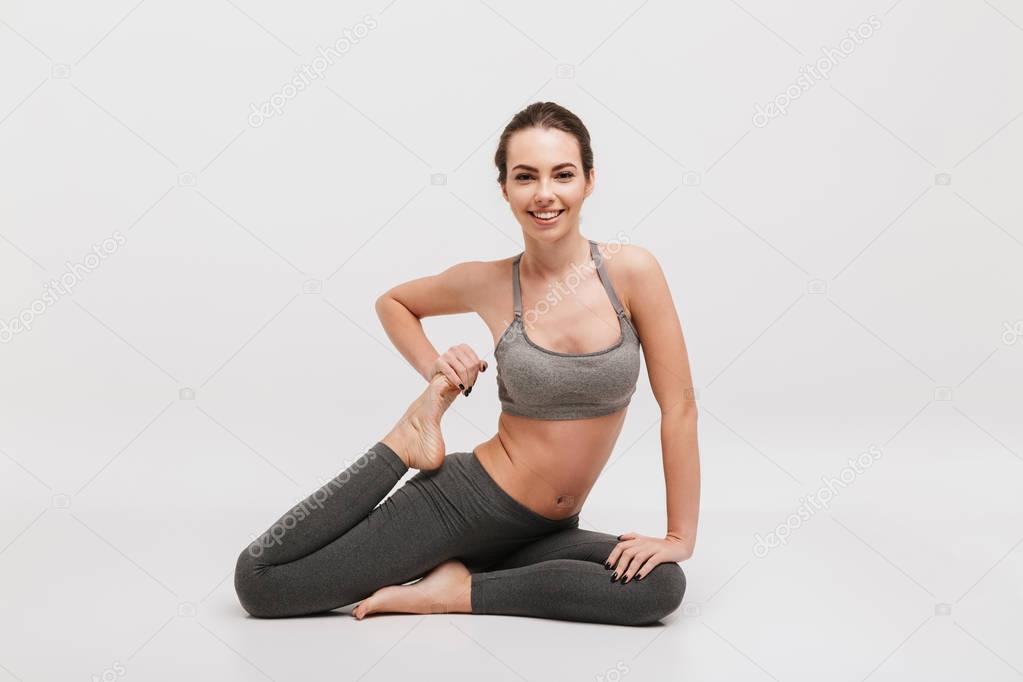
[
  {"x": 386, "y": 301},
  {"x": 381, "y": 304},
  {"x": 684, "y": 412}
]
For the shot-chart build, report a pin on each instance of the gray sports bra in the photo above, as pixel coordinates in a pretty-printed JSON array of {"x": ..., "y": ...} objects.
[{"x": 545, "y": 384}]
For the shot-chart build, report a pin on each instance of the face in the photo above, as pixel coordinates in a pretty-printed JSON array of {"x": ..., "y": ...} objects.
[{"x": 545, "y": 177}]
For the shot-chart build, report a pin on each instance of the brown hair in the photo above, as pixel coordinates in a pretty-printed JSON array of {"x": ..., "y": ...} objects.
[{"x": 544, "y": 115}]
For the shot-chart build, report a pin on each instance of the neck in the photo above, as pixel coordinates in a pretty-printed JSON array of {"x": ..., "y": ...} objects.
[{"x": 552, "y": 260}]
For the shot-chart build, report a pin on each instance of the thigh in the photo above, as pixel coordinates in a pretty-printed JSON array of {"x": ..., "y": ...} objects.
[
  {"x": 400, "y": 540},
  {"x": 573, "y": 543}
]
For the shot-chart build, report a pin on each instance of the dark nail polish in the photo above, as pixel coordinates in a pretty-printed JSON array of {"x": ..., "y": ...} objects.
[
  {"x": 614, "y": 576},
  {"x": 607, "y": 565},
  {"x": 626, "y": 580},
  {"x": 461, "y": 386},
  {"x": 468, "y": 391},
  {"x": 639, "y": 577}
]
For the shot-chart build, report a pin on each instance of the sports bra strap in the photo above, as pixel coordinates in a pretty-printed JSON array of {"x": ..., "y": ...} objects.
[
  {"x": 604, "y": 278},
  {"x": 516, "y": 288},
  {"x": 598, "y": 259}
]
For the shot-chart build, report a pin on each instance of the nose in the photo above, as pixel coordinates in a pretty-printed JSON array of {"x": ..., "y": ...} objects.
[{"x": 544, "y": 191}]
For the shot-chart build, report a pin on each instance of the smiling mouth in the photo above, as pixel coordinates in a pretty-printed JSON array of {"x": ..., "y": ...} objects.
[{"x": 546, "y": 215}]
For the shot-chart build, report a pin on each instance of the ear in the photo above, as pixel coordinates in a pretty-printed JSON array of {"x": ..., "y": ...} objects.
[
  {"x": 504, "y": 192},
  {"x": 591, "y": 181}
]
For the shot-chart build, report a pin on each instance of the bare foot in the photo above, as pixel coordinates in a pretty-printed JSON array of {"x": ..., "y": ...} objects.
[
  {"x": 445, "y": 589},
  {"x": 417, "y": 438}
]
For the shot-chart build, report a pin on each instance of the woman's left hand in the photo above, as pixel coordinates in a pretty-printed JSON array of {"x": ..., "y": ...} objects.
[{"x": 636, "y": 555}]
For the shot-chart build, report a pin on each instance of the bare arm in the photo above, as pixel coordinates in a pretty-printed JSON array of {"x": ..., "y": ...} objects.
[
  {"x": 667, "y": 362},
  {"x": 401, "y": 307}
]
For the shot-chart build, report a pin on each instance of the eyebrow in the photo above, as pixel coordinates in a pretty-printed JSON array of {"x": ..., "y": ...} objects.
[{"x": 530, "y": 168}]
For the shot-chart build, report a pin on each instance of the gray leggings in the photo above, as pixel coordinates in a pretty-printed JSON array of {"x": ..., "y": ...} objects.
[{"x": 339, "y": 545}]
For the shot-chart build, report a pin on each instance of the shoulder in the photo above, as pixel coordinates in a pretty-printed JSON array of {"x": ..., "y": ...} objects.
[
  {"x": 483, "y": 279},
  {"x": 479, "y": 272},
  {"x": 492, "y": 271},
  {"x": 630, "y": 264},
  {"x": 632, "y": 268}
]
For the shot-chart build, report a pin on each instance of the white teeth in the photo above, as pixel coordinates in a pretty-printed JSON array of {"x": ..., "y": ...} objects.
[{"x": 547, "y": 215}]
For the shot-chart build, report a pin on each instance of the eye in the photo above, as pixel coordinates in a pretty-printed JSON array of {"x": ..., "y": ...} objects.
[
  {"x": 522, "y": 176},
  {"x": 566, "y": 174}
]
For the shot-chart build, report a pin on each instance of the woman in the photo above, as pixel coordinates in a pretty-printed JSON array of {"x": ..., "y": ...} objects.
[{"x": 495, "y": 530}]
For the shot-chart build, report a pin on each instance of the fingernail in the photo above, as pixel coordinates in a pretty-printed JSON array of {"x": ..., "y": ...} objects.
[
  {"x": 614, "y": 576},
  {"x": 468, "y": 391},
  {"x": 461, "y": 386},
  {"x": 626, "y": 580},
  {"x": 639, "y": 577},
  {"x": 607, "y": 565}
]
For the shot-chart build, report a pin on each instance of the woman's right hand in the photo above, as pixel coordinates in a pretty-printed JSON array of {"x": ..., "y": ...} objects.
[{"x": 460, "y": 365}]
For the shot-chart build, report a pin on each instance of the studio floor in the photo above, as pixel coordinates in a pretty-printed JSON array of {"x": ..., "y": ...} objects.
[{"x": 121, "y": 582}]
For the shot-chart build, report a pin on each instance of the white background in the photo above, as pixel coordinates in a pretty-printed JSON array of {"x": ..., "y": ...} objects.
[{"x": 847, "y": 276}]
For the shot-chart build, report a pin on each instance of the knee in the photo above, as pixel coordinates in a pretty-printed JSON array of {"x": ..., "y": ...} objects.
[
  {"x": 667, "y": 585},
  {"x": 676, "y": 588},
  {"x": 252, "y": 586}
]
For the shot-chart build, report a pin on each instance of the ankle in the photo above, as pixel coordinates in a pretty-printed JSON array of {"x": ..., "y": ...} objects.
[
  {"x": 465, "y": 598},
  {"x": 399, "y": 445}
]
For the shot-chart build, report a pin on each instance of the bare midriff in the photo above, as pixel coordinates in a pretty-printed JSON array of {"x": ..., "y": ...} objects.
[{"x": 550, "y": 466}]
